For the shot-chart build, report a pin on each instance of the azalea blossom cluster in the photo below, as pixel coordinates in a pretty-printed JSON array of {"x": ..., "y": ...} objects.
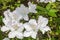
[{"x": 28, "y": 29}]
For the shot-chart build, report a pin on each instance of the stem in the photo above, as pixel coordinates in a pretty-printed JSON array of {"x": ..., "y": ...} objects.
[
  {"x": 29, "y": 38},
  {"x": 13, "y": 39},
  {"x": 16, "y": 39},
  {"x": 49, "y": 36},
  {"x": 37, "y": 38}
]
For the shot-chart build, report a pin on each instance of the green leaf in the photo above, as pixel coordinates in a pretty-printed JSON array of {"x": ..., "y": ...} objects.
[
  {"x": 0, "y": 35},
  {"x": 52, "y": 13},
  {"x": 1, "y": 20},
  {"x": 52, "y": 38},
  {"x": 41, "y": 8},
  {"x": 48, "y": 6}
]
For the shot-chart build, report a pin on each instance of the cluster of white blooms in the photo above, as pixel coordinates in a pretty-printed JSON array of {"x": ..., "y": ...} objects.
[
  {"x": 46, "y": 1},
  {"x": 16, "y": 28}
]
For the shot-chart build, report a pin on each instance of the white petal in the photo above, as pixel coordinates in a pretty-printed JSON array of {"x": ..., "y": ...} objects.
[
  {"x": 7, "y": 22},
  {"x": 33, "y": 34},
  {"x": 33, "y": 22},
  {"x": 4, "y": 28},
  {"x": 45, "y": 29},
  {"x": 16, "y": 16},
  {"x": 26, "y": 17},
  {"x": 21, "y": 27},
  {"x": 42, "y": 21},
  {"x": 12, "y": 34},
  {"x": 11, "y": 28},
  {"x": 6, "y": 39},
  {"x": 27, "y": 34},
  {"x": 27, "y": 27},
  {"x": 6, "y": 14},
  {"x": 32, "y": 7},
  {"x": 19, "y": 35},
  {"x": 42, "y": 30},
  {"x": 23, "y": 12}
]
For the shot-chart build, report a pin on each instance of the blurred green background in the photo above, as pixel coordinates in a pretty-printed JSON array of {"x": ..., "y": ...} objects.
[{"x": 49, "y": 10}]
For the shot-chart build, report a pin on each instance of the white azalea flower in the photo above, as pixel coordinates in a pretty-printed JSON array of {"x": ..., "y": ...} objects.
[
  {"x": 16, "y": 26},
  {"x": 9, "y": 22},
  {"x": 31, "y": 25},
  {"x": 22, "y": 12},
  {"x": 42, "y": 24},
  {"x": 16, "y": 30},
  {"x": 32, "y": 7},
  {"x": 6, "y": 39},
  {"x": 31, "y": 28},
  {"x": 42, "y": 21}
]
